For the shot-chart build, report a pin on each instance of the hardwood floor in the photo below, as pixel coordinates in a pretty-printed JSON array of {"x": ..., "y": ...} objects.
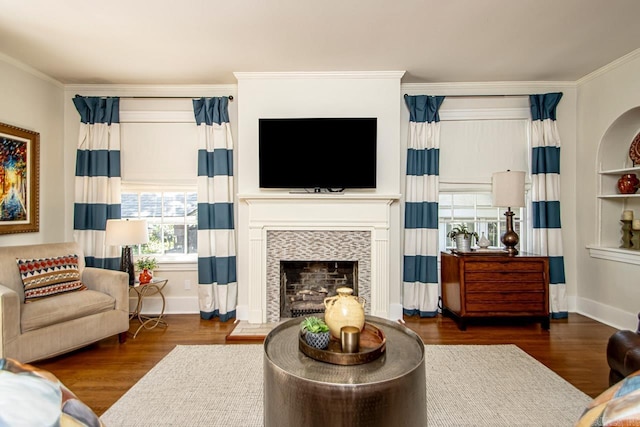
[{"x": 101, "y": 373}]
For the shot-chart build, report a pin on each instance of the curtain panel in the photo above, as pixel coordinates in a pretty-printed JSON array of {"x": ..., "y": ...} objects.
[
  {"x": 217, "y": 284},
  {"x": 420, "y": 270},
  {"x": 545, "y": 196},
  {"x": 97, "y": 179}
]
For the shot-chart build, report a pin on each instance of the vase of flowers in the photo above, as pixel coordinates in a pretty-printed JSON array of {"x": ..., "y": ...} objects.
[{"x": 146, "y": 265}]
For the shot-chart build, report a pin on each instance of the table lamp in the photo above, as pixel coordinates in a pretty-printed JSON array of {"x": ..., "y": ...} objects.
[
  {"x": 126, "y": 232},
  {"x": 508, "y": 191}
]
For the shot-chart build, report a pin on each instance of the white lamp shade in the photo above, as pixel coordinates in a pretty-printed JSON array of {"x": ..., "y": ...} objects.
[
  {"x": 125, "y": 232},
  {"x": 508, "y": 189}
]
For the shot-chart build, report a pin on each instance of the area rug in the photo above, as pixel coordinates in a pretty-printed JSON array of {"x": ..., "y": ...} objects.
[{"x": 467, "y": 385}]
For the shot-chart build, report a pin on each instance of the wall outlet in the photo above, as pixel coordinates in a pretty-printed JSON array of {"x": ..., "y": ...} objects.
[{"x": 187, "y": 284}]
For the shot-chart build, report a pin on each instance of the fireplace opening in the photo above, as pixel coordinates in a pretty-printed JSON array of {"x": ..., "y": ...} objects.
[{"x": 305, "y": 284}]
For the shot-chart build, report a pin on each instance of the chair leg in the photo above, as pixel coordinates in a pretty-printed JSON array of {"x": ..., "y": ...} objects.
[{"x": 122, "y": 337}]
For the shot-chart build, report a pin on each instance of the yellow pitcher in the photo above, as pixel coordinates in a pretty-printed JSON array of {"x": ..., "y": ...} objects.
[{"x": 343, "y": 309}]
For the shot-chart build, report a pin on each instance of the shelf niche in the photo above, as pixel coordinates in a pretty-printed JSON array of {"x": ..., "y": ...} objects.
[{"x": 613, "y": 162}]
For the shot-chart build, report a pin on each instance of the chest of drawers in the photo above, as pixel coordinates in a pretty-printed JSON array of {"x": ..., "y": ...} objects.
[{"x": 479, "y": 285}]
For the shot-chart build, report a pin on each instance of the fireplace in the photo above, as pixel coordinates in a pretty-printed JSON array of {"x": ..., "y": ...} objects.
[
  {"x": 316, "y": 227},
  {"x": 305, "y": 284},
  {"x": 323, "y": 247}
]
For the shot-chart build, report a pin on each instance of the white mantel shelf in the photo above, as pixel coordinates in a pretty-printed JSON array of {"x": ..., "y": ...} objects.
[{"x": 318, "y": 196}]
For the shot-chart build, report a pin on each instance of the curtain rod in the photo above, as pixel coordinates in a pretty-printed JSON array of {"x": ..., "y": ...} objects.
[
  {"x": 481, "y": 96},
  {"x": 169, "y": 97},
  {"x": 164, "y": 97}
]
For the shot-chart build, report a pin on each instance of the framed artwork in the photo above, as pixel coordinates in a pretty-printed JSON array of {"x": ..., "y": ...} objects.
[{"x": 19, "y": 180}]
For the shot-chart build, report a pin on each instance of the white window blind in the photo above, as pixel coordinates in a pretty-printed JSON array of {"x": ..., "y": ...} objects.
[
  {"x": 482, "y": 135},
  {"x": 159, "y": 142},
  {"x": 471, "y": 150},
  {"x": 159, "y": 153}
]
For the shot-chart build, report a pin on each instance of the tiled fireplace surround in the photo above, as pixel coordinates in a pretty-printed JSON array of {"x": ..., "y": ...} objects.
[{"x": 304, "y": 227}]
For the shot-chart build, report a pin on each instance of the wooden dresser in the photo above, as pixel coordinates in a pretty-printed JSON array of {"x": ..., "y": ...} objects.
[{"x": 476, "y": 285}]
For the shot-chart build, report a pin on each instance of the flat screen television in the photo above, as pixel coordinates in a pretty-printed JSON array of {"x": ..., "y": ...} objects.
[{"x": 317, "y": 153}]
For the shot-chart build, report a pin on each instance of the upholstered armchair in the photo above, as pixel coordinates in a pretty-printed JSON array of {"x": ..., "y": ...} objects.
[{"x": 51, "y": 303}]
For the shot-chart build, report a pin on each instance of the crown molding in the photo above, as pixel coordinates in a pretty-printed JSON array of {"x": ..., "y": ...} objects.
[
  {"x": 26, "y": 68},
  {"x": 320, "y": 75},
  {"x": 609, "y": 67}
]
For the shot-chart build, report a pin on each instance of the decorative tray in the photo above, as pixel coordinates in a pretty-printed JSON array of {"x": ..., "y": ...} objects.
[{"x": 372, "y": 346}]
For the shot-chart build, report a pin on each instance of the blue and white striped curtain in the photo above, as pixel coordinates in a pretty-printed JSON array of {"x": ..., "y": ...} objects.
[
  {"x": 420, "y": 273},
  {"x": 217, "y": 284},
  {"x": 545, "y": 196},
  {"x": 97, "y": 192}
]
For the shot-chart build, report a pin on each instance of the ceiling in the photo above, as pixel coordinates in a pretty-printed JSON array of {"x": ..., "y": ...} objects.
[{"x": 172, "y": 42}]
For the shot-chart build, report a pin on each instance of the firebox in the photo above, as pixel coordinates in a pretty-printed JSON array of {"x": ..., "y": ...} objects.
[{"x": 305, "y": 284}]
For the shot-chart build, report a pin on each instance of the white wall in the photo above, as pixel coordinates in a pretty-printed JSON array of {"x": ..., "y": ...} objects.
[
  {"x": 264, "y": 95},
  {"x": 608, "y": 290},
  {"x": 34, "y": 102}
]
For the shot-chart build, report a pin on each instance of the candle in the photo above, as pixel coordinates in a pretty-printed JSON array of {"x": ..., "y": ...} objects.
[
  {"x": 627, "y": 215},
  {"x": 636, "y": 224}
]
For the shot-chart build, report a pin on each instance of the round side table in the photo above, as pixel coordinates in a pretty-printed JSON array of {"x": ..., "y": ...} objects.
[
  {"x": 146, "y": 290},
  {"x": 301, "y": 391}
]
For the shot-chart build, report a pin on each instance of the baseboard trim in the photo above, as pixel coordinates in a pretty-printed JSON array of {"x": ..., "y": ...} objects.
[{"x": 607, "y": 314}]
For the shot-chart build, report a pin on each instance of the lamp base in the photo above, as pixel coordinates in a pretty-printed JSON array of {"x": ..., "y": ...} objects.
[
  {"x": 126, "y": 264},
  {"x": 510, "y": 238}
]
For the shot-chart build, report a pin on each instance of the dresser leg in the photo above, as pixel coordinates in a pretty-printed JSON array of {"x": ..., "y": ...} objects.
[
  {"x": 545, "y": 323},
  {"x": 460, "y": 321}
]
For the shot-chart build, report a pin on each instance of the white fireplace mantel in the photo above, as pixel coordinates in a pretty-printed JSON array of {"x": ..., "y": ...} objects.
[{"x": 267, "y": 211}]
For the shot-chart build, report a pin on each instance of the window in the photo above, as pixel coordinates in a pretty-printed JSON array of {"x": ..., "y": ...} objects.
[
  {"x": 475, "y": 210},
  {"x": 479, "y": 136},
  {"x": 159, "y": 147},
  {"x": 172, "y": 220}
]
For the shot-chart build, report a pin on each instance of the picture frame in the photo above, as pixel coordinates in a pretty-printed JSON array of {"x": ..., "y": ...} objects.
[{"x": 19, "y": 180}]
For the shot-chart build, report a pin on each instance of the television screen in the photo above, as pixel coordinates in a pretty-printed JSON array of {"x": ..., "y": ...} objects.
[{"x": 317, "y": 153}]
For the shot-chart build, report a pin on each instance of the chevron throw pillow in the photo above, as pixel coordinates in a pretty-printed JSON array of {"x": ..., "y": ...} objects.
[{"x": 46, "y": 277}]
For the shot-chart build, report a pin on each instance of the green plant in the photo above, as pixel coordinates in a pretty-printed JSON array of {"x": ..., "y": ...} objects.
[
  {"x": 146, "y": 262},
  {"x": 462, "y": 229},
  {"x": 314, "y": 325}
]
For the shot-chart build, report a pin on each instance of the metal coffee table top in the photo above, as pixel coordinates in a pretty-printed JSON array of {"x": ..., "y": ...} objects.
[{"x": 404, "y": 353}]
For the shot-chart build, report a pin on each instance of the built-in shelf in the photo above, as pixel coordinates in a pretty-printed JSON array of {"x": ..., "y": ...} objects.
[
  {"x": 620, "y": 171},
  {"x": 614, "y": 161},
  {"x": 618, "y": 196},
  {"x": 615, "y": 254}
]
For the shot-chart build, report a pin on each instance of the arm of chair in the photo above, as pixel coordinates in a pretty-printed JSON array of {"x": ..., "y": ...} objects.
[
  {"x": 623, "y": 352},
  {"x": 9, "y": 317},
  {"x": 110, "y": 282}
]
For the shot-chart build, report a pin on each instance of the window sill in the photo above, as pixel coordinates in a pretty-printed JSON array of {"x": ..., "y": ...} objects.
[
  {"x": 628, "y": 256},
  {"x": 177, "y": 265}
]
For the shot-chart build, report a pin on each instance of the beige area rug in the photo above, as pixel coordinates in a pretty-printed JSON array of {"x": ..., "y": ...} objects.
[{"x": 467, "y": 385}]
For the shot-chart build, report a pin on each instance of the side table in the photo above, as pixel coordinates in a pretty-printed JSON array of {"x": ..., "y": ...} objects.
[{"x": 145, "y": 290}]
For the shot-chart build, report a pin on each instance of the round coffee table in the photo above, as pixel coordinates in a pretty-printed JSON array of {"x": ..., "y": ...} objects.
[{"x": 301, "y": 391}]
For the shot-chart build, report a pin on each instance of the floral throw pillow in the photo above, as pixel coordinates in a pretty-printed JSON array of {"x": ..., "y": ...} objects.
[
  {"x": 619, "y": 405},
  {"x": 34, "y": 397}
]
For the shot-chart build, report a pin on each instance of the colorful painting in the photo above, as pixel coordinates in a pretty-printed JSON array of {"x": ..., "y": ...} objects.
[{"x": 19, "y": 170}]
